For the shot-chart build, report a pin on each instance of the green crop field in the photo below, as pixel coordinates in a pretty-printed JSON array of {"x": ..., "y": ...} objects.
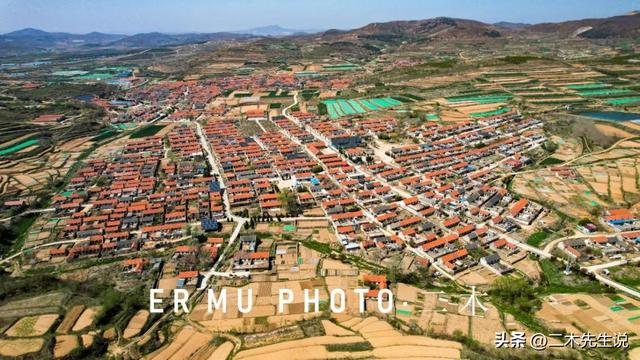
[
  {"x": 624, "y": 101},
  {"x": 95, "y": 76},
  {"x": 603, "y": 92},
  {"x": 480, "y": 99},
  {"x": 18, "y": 147},
  {"x": 490, "y": 113},
  {"x": 337, "y": 108},
  {"x": 587, "y": 86}
]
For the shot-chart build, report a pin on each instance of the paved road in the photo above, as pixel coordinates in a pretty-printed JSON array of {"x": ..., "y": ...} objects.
[
  {"x": 55, "y": 243},
  {"x": 598, "y": 267},
  {"x": 527, "y": 247},
  {"x": 616, "y": 285},
  {"x": 552, "y": 244},
  {"x": 214, "y": 269},
  {"x": 216, "y": 171},
  {"x": 240, "y": 221}
]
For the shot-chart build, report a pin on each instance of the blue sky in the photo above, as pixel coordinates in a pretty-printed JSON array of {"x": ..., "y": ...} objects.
[{"x": 133, "y": 16}]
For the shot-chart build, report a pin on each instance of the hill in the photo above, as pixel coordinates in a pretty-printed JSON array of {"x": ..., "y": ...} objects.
[
  {"x": 441, "y": 28},
  {"x": 623, "y": 26}
]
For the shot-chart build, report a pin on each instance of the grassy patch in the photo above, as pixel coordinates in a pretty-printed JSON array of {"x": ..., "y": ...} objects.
[
  {"x": 351, "y": 347},
  {"x": 13, "y": 236},
  {"x": 317, "y": 246},
  {"x": 104, "y": 135},
  {"x": 25, "y": 327},
  {"x": 146, "y": 131},
  {"x": 312, "y": 328},
  {"x": 519, "y": 59},
  {"x": 551, "y": 161},
  {"x": 627, "y": 275},
  {"x": 537, "y": 238},
  {"x": 555, "y": 281}
]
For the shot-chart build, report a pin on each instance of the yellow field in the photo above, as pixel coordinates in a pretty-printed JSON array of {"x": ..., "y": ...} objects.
[
  {"x": 18, "y": 347},
  {"x": 32, "y": 325},
  {"x": 185, "y": 343},
  {"x": 385, "y": 342},
  {"x": 136, "y": 324},
  {"x": 64, "y": 345}
]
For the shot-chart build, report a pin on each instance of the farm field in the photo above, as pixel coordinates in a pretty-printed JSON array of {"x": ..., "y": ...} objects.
[
  {"x": 439, "y": 314},
  {"x": 37, "y": 165},
  {"x": 42, "y": 304},
  {"x": 617, "y": 180},
  {"x": 358, "y": 338},
  {"x": 18, "y": 147},
  {"x": 264, "y": 316},
  {"x": 569, "y": 194},
  {"x": 86, "y": 319},
  {"x": 70, "y": 319},
  {"x": 568, "y": 149},
  {"x": 32, "y": 325},
  {"x": 136, "y": 324},
  {"x": 337, "y": 108},
  {"x": 19, "y": 347},
  {"x": 593, "y": 313},
  {"x": 64, "y": 345},
  {"x": 186, "y": 342}
]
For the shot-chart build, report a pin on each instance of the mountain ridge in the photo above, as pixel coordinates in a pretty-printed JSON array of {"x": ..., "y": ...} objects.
[{"x": 439, "y": 28}]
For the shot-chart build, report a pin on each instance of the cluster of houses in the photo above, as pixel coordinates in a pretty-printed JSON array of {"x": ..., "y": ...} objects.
[
  {"x": 256, "y": 168},
  {"x": 250, "y": 257},
  {"x": 192, "y": 99},
  {"x": 595, "y": 248},
  {"x": 621, "y": 219},
  {"x": 434, "y": 196},
  {"x": 601, "y": 246},
  {"x": 139, "y": 197}
]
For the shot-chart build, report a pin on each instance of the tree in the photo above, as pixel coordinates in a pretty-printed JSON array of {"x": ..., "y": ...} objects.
[
  {"x": 383, "y": 136},
  {"x": 519, "y": 293},
  {"x": 550, "y": 146},
  {"x": 289, "y": 202},
  {"x": 317, "y": 169}
]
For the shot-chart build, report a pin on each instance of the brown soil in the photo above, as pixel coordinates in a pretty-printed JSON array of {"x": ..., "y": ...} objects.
[
  {"x": 136, "y": 324},
  {"x": 86, "y": 319},
  {"x": 18, "y": 347},
  {"x": 69, "y": 319},
  {"x": 64, "y": 345}
]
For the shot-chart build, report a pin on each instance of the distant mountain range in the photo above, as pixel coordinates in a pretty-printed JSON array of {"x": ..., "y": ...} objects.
[
  {"x": 32, "y": 40},
  {"x": 441, "y": 28},
  {"x": 275, "y": 31},
  {"x": 511, "y": 25}
]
